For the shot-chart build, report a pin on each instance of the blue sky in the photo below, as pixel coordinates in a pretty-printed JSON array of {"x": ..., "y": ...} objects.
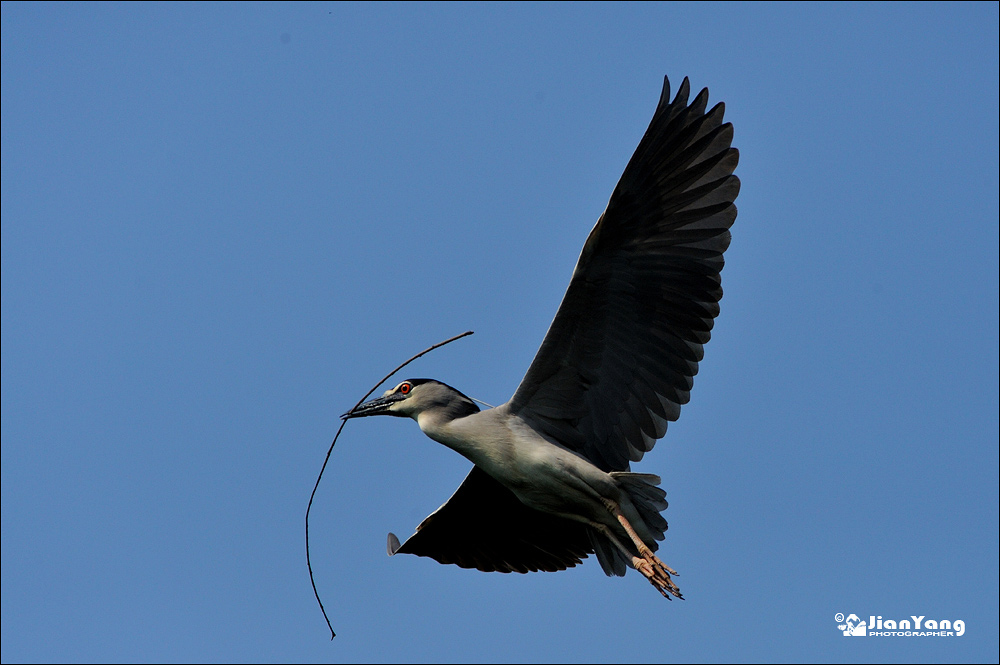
[{"x": 222, "y": 223}]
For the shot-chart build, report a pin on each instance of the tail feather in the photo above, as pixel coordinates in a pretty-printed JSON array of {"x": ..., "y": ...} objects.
[
  {"x": 647, "y": 498},
  {"x": 610, "y": 557}
]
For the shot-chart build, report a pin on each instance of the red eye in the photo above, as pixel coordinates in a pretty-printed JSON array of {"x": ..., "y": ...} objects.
[{"x": 405, "y": 388}]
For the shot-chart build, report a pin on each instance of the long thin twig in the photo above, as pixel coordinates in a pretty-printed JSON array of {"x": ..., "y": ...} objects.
[{"x": 328, "y": 452}]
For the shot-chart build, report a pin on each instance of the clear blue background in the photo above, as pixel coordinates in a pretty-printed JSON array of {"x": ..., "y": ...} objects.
[{"x": 222, "y": 223}]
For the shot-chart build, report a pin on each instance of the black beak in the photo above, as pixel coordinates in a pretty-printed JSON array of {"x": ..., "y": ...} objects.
[{"x": 375, "y": 407}]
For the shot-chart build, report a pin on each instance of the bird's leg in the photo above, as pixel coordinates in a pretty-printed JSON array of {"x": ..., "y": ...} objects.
[
  {"x": 660, "y": 581},
  {"x": 638, "y": 563},
  {"x": 650, "y": 565}
]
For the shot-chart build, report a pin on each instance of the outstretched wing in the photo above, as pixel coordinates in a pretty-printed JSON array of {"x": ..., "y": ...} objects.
[
  {"x": 483, "y": 525},
  {"x": 619, "y": 358}
]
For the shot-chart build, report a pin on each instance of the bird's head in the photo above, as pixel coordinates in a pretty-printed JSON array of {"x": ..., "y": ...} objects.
[{"x": 415, "y": 396}]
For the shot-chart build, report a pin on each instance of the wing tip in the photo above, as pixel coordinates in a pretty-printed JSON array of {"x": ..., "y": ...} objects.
[
  {"x": 681, "y": 98},
  {"x": 683, "y": 92},
  {"x": 665, "y": 94}
]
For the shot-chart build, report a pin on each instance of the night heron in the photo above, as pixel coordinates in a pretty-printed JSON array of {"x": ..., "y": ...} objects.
[{"x": 551, "y": 482}]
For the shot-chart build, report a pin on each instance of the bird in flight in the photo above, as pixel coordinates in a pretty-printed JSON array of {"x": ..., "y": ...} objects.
[{"x": 551, "y": 481}]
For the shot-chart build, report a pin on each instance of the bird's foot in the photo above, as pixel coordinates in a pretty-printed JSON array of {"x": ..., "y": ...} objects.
[
  {"x": 658, "y": 575},
  {"x": 647, "y": 563}
]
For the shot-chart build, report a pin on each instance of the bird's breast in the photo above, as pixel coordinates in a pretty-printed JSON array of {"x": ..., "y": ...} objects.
[{"x": 542, "y": 474}]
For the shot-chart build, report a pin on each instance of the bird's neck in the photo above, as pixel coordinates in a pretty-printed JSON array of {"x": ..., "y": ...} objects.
[{"x": 463, "y": 435}]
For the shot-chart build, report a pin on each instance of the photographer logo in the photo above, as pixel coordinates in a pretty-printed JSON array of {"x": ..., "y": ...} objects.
[{"x": 875, "y": 626}]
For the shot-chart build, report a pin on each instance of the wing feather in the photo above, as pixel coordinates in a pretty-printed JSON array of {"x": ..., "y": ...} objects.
[
  {"x": 619, "y": 359},
  {"x": 484, "y": 526}
]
